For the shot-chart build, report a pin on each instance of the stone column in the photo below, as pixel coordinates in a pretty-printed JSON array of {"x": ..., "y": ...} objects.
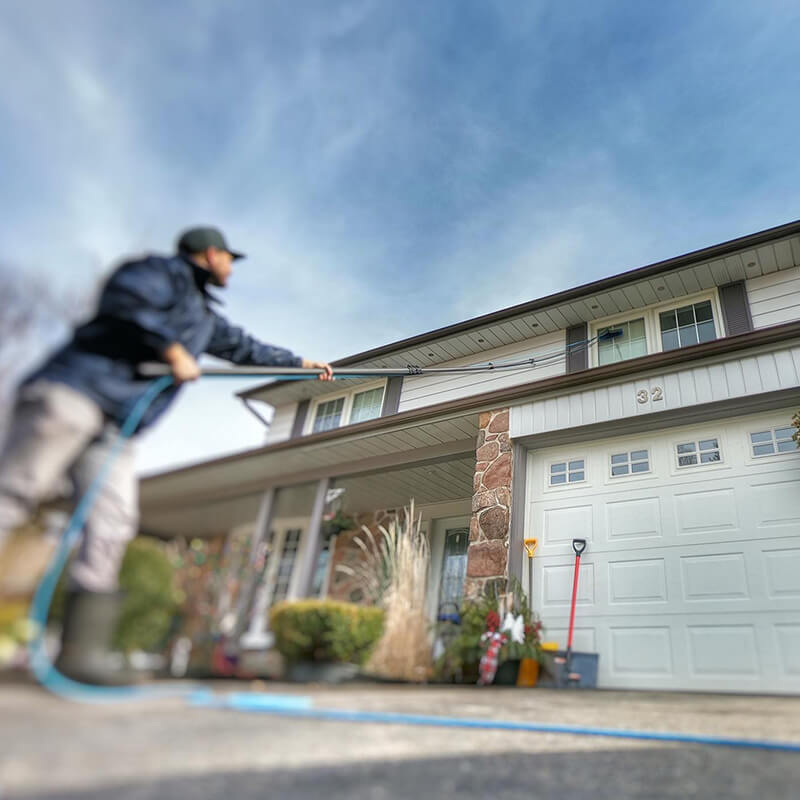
[{"x": 487, "y": 558}]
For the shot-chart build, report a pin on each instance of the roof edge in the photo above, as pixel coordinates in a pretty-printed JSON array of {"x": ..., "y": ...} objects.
[{"x": 567, "y": 295}]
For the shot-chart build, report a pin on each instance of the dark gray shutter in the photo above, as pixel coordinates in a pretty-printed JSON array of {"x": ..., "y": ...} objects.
[
  {"x": 577, "y": 356},
  {"x": 300, "y": 419},
  {"x": 735, "y": 308},
  {"x": 391, "y": 397}
]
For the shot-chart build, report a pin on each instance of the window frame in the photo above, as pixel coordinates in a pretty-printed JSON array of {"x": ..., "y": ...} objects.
[
  {"x": 347, "y": 408},
  {"x": 620, "y": 319},
  {"x": 683, "y": 302},
  {"x": 566, "y": 462},
  {"x": 696, "y": 441},
  {"x": 774, "y": 441},
  {"x": 629, "y": 450}
]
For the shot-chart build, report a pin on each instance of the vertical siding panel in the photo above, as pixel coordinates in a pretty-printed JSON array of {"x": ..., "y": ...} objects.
[
  {"x": 752, "y": 378},
  {"x": 719, "y": 382},
  {"x": 672, "y": 391},
  {"x": 601, "y": 404},
  {"x": 734, "y": 374},
  {"x": 688, "y": 392},
  {"x": 702, "y": 384},
  {"x": 615, "y": 402},
  {"x": 575, "y": 409},
  {"x": 787, "y": 374},
  {"x": 551, "y": 413},
  {"x": 769, "y": 372}
]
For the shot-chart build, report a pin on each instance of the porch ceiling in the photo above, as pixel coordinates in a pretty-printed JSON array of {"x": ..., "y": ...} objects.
[
  {"x": 503, "y": 328},
  {"x": 219, "y": 495}
]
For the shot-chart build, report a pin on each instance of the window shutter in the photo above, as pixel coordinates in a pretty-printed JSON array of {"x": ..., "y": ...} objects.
[
  {"x": 577, "y": 357},
  {"x": 300, "y": 419},
  {"x": 735, "y": 308},
  {"x": 391, "y": 398}
]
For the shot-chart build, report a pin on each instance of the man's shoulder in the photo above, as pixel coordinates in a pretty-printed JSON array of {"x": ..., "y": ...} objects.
[{"x": 155, "y": 262}]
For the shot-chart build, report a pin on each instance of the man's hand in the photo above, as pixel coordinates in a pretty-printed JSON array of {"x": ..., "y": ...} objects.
[
  {"x": 327, "y": 375},
  {"x": 182, "y": 363}
]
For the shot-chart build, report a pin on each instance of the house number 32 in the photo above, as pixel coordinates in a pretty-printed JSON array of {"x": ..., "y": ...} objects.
[{"x": 656, "y": 393}]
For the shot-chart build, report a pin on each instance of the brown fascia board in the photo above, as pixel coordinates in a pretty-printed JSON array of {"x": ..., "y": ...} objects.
[
  {"x": 479, "y": 402},
  {"x": 648, "y": 271}
]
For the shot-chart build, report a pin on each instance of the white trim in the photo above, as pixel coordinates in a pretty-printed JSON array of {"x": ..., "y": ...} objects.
[
  {"x": 347, "y": 408},
  {"x": 652, "y": 327}
]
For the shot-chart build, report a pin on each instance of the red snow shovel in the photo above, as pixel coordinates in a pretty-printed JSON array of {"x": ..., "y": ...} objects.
[{"x": 575, "y": 669}]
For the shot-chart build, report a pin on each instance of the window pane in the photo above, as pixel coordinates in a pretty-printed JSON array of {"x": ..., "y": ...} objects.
[
  {"x": 705, "y": 332},
  {"x": 686, "y": 448},
  {"x": 562, "y": 467},
  {"x": 639, "y": 455},
  {"x": 761, "y": 436},
  {"x": 670, "y": 341},
  {"x": 709, "y": 458},
  {"x": 562, "y": 478},
  {"x": 786, "y": 446},
  {"x": 620, "y": 470},
  {"x": 685, "y": 316},
  {"x": 688, "y": 336},
  {"x": 328, "y": 415},
  {"x": 784, "y": 433},
  {"x": 702, "y": 311},
  {"x": 708, "y": 444},
  {"x": 641, "y": 466},
  {"x": 636, "y": 329},
  {"x": 367, "y": 405},
  {"x": 621, "y": 458},
  {"x": 686, "y": 461},
  {"x": 668, "y": 321},
  {"x": 763, "y": 449},
  {"x": 576, "y": 464},
  {"x": 630, "y": 343},
  {"x": 575, "y": 476}
]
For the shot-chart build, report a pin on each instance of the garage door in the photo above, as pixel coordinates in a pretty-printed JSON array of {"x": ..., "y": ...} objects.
[{"x": 691, "y": 577}]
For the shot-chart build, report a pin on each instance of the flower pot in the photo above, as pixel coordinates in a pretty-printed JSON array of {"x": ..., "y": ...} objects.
[
  {"x": 507, "y": 673},
  {"x": 528, "y": 673}
]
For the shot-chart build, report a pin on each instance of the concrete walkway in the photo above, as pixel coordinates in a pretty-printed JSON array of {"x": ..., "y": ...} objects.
[{"x": 163, "y": 749}]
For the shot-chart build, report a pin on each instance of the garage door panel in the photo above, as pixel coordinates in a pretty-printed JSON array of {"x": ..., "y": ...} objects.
[{"x": 691, "y": 577}]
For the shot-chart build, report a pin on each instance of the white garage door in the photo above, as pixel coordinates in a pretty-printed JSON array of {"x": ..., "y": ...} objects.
[{"x": 691, "y": 576}]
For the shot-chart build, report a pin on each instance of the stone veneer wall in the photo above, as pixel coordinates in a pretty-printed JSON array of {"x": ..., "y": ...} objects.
[{"x": 487, "y": 558}]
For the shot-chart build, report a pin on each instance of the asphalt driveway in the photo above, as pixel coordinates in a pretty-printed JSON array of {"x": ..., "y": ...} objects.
[{"x": 164, "y": 749}]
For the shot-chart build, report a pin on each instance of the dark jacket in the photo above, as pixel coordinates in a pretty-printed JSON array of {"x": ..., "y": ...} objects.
[{"x": 145, "y": 306}]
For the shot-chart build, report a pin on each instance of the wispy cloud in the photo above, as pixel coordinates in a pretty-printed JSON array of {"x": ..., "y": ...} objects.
[{"x": 390, "y": 168}]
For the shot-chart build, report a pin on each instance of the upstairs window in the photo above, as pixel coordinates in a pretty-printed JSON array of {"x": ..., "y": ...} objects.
[
  {"x": 688, "y": 325},
  {"x": 329, "y": 415},
  {"x": 630, "y": 342},
  {"x": 776, "y": 440},
  {"x": 347, "y": 410},
  {"x": 367, "y": 405}
]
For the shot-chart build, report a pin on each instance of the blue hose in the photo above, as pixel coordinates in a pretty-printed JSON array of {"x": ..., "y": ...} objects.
[{"x": 284, "y": 705}]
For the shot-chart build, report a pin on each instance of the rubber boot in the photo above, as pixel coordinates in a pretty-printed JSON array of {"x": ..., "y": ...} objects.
[{"x": 90, "y": 619}]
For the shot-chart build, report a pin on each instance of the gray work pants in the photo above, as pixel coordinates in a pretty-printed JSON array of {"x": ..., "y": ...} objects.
[{"x": 55, "y": 432}]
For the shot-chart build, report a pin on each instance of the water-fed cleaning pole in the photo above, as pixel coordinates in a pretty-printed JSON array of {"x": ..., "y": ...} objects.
[{"x": 530, "y": 548}]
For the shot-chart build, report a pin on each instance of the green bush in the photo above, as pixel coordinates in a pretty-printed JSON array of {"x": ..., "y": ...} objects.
[
  {"x": 146, "y": 579},
  {"x": 324, "y": 630}
]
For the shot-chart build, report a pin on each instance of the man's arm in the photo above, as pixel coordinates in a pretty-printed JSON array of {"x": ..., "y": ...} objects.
[{"x": 233, "y": 344}]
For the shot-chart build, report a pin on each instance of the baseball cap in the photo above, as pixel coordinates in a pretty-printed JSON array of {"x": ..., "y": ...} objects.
[{"x": 195, "y": 240}]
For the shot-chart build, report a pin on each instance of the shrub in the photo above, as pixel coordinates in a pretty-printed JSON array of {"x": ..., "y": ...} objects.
[
  {"x": 146, "y": 579},
  {"x": 324, "y": 630}
]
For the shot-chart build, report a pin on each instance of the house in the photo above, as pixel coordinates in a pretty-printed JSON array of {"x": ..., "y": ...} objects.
[{"x": 668, "y": 446}]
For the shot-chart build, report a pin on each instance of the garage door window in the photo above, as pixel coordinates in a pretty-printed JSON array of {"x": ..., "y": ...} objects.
[
  {"x": 703, "y": 451},
  {"x": 777, "y": 440},
  {"x": 635, "y": 462},
  {"x": 567, "y": 472}
]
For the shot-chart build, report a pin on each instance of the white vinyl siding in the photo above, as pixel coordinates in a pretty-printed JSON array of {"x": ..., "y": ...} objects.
[
  {"x": 774, "y": 298},
  {"x": 743, "y": 376},
  {"x": 280, "y": 428},
  {"x": 426, "y": 390}
]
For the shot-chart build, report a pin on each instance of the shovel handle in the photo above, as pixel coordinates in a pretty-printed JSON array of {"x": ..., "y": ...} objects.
[{"x": 579, "y": 545}]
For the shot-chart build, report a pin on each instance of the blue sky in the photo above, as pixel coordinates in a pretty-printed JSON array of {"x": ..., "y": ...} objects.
[{"x": 389, "y": 167}]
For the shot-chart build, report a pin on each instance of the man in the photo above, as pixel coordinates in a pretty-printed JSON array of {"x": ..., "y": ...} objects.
[{"x": 68, "y": 414}]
